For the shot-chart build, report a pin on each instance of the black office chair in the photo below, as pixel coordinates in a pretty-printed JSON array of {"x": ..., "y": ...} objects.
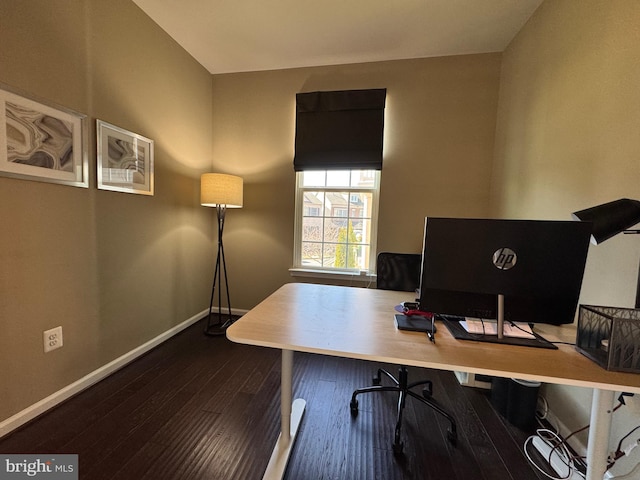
[{"x": 401, "y": 271}]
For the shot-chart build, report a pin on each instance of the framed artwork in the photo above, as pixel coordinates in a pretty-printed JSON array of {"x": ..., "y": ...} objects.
[
  {"x": 41, "y": 141},
  {"x": 125, "y": 160}
]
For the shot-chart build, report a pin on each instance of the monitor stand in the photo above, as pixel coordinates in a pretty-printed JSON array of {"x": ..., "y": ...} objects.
[
  {"x": 500, "y": 325},
  {"x": 458, "y": 331},
  {"x": 500, "y": 330}
]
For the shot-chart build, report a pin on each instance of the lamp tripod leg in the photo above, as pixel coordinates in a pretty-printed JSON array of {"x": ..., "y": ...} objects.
[
  {"x": 226, "y": 284},
  {"x": 220, "y": 327}
]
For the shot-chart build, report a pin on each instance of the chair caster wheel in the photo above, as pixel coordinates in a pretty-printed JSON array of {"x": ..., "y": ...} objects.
[
  {"x": 452, "y": 437},
  {"x": 398, "y": 447},
  {"x": 353, "y": 405},
  {"x": 427, "y": 391}
]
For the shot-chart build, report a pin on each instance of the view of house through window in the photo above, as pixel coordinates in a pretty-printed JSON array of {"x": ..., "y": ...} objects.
[{"x": 336, "y": 219}]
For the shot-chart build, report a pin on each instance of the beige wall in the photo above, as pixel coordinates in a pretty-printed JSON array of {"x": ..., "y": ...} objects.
[
  {"x": 116, "y": 270},
  {"x": 568, "y": 138},
  {"x": 438, "y": 147},
  {"x": 113, "y": 269}
]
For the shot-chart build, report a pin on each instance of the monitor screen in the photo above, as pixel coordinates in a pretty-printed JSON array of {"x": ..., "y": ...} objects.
[{"x": 536, "y": 265}]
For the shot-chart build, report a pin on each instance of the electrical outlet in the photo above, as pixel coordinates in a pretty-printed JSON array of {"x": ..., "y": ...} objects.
[{"x": 52, "y": 339}]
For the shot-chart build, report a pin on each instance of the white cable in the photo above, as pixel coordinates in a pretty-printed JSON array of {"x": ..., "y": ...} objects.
[
  {"x": 532, "y": 462},
  {"x": 559, "y": 449},
  {"x": 542, "y": 417},
  {"x": 545, "y": 408}
]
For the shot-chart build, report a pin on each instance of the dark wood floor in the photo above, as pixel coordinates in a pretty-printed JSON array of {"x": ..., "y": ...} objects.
[{"x": 201, "y": 407}]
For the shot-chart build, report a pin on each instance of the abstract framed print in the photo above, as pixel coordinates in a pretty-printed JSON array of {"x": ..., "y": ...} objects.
[
  {"x": 125, "y": 160},
  {"x": 41, "y": 141}
]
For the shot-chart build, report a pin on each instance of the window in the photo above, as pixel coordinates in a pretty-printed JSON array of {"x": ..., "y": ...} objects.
[
  {"x": 336, "y": 219},
  {"x": 338, "y": 158}
]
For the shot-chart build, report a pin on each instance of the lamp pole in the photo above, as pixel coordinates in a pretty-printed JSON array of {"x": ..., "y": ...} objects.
[
  {"x": 221, "y": 273},
  {"x": 221, "y": 191}
]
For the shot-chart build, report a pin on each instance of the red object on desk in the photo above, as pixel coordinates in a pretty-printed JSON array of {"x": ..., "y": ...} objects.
[{"x": 418, "y": 312}]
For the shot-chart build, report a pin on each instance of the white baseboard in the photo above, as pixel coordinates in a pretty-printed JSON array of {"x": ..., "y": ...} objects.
[
  {"x": 38, "y": 408},
  {"x": 467, "y": 379}
]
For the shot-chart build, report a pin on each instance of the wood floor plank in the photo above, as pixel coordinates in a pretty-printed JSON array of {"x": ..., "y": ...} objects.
[
  {"x": 477, "y": 441},
  {"x": 437, "y": 457},
  {"x": 199, "y": 407},
  {"x": 509, "y": 448}
]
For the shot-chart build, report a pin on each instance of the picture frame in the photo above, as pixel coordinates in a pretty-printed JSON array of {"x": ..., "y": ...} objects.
[
  {"x": 41, "y": 141},
  {"x": 124, "y": 160}
]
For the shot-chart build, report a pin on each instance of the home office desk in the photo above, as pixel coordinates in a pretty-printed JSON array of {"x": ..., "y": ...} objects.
[{"x": 358, "y": 323}]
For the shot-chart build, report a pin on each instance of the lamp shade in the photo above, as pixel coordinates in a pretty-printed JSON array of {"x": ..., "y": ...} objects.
[
  {"x": 611, "y": 218},
  {"x": 220, "y": 189}
]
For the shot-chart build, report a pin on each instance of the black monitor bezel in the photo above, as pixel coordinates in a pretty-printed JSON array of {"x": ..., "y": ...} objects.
[{"x": 545, "y": 305}]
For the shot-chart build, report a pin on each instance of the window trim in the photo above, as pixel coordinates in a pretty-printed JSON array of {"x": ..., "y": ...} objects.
[
  {"x": 347, "y": 273},
  {"x": 351, "y": 277}
]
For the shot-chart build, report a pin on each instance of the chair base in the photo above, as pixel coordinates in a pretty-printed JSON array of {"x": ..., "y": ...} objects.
[{"x": 403, "y": 388}]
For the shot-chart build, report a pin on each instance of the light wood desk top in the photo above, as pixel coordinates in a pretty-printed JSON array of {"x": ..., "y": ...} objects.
[{"x": 358, "y": 323}]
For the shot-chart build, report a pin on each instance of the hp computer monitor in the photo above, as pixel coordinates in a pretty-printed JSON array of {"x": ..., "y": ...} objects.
[{"x": 513, "y": 270}]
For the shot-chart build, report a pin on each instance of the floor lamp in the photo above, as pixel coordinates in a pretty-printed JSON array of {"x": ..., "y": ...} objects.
[
  {"x": 610, "y": 219},
  {"x": 221, "y": 191}
]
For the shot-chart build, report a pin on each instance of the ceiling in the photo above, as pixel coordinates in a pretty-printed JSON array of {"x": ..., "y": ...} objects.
[{"x": 251, "y": 35}]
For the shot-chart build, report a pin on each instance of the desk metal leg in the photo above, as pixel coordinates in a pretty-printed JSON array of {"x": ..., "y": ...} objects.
[
  {"x": 290, "y": 418},
  {"x": 599, "y": 432}
]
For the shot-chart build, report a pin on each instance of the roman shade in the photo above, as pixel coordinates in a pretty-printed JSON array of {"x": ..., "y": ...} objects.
[{"x": 339, "y": 130}]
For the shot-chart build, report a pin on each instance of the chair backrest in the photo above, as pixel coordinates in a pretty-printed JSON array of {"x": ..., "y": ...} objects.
[{"x": 398, "y": 271}]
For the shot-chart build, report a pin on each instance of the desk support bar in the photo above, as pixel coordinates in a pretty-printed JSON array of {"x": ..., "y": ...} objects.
[
  {"x": 290, "y": 419},
  {"x": 286, "y": 394},
  {"x": 599, "y": 431}
]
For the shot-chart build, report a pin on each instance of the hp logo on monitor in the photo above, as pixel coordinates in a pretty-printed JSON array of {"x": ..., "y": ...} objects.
[{"x": 504, "y": 258}]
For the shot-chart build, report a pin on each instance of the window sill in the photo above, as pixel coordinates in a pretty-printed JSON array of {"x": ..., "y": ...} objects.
[{"x": 363, "y": 277}]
